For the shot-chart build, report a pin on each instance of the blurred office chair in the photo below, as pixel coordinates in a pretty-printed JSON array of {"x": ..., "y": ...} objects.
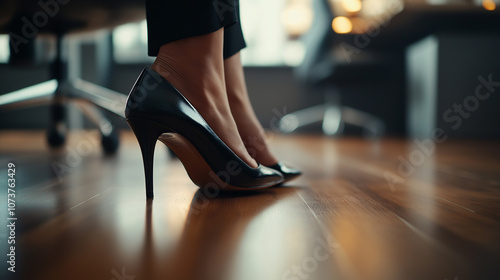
[
  {"x": 24, "y": 20},
  {"x": 332, "y": 66}
]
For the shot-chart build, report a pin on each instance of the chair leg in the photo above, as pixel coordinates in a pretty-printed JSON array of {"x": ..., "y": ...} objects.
[
  {"x": 34, "y": 95},
  {"x": 329, "y": 113},
  {"x": 292, "y": 121},
  {"x": 57, "y": 131},
  {"x": 332, "y": 120},
  {"x": 109, "y": 135},
  {"x": 41, "y": 94},
  {"x": 103, "y": 97}
]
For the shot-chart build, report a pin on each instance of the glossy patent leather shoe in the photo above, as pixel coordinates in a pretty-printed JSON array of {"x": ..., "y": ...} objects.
[
  {"x": 289, "y": 173},
  {"x": 155, "y": 110}
]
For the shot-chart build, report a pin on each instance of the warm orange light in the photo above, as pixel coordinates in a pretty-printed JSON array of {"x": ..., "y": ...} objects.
[
  {"x": 341, "y": 25},
  {"x": 351, "y": 6},
  {"x": 489, "y": 5}
]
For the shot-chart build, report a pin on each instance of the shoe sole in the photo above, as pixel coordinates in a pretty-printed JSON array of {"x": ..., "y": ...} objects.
[{"x": 196, "y": 166}]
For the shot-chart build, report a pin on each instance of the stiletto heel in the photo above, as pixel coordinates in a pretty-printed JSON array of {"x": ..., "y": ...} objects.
[
  {"x": 146, "y": 132},
  {"x": 157, "y": 111}
]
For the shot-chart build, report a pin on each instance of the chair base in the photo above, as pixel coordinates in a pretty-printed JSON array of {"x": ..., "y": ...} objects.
[
  {"x": 84, "y": 94},
  {"x": 333, "y": 118}
]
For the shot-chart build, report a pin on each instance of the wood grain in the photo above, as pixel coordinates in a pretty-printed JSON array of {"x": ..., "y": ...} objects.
[{"x": 356, "y": 213}]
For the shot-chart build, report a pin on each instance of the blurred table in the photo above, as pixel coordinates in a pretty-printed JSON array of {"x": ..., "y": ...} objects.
[
  {"x": 383, "y": 23},
  {"x": 452, "y": 49}
]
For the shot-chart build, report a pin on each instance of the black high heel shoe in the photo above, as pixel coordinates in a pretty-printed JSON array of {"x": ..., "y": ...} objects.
[
  {"x": 155, "y": 110},
  {"x": 289, "y": 173}
]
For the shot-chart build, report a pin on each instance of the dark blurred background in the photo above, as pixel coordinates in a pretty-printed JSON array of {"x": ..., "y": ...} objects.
[{"x": 357, "y": 67}]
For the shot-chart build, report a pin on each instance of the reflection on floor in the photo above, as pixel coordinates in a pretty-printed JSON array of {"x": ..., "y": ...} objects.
[{"x": 393, "y": 209}]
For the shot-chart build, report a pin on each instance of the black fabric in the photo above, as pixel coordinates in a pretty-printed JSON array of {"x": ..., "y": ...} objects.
[{"x": 171, "y": 20}]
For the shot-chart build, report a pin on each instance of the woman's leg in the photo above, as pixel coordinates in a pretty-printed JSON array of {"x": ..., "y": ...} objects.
[
  {"x": 251, "y": 131},
  {"x": 249, "y": 127},
  {"x": 195, "y": 66}
]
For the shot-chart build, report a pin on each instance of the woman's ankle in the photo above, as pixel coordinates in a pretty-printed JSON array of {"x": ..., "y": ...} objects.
[
  {"x": 199, "y": 76},
  {"x": 194, "y": 63}
]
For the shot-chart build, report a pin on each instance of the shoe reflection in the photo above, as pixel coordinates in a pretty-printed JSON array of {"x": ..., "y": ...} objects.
[{"x": 211, "y": 235}]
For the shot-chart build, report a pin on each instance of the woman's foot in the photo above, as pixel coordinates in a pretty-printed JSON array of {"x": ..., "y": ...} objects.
[
  {"x": 195, "y": 66},
  {"x": 250, "y": 129}
]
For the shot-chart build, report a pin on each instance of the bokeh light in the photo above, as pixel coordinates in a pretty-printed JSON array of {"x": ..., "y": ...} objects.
[{"x": 341, "y": 25}]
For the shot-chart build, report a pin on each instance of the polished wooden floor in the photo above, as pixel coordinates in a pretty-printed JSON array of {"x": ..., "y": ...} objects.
[{"x": 390, "y": 209}]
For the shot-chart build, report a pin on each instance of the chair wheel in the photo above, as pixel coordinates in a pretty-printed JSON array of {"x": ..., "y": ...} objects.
[
  {"x": 111, "y": 142},
  {"x": 55, "y": 137},
  {"x": 56, "y": 134}
]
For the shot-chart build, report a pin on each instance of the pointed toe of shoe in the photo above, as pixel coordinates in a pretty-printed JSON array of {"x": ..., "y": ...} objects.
[
  {"x": 271, "y": 176},
  {"x": 289, "y": 173}
]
